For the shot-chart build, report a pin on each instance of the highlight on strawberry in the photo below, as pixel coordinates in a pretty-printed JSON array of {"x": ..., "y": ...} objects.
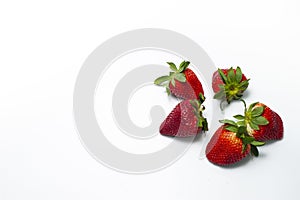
[
  {"x": 186, "y": 119},
  {"x": 262, "y": 123},
  {"x": 229, "y": 84},
  {"x": 230, "y": 144},
  {"x": 182, "y": 82}
]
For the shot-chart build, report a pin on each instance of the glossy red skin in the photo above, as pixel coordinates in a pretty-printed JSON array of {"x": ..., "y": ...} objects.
[
  {"x": 181, "y": 122},
  {"x": 189, "y": 89},
  {"x": 272, "y": 131},
  {"x": 217, "y": 80},
  {"x": 225, "y": 148}
]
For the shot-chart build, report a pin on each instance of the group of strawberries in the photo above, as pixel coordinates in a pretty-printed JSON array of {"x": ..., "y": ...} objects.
[{"x": 233, "y": 140}]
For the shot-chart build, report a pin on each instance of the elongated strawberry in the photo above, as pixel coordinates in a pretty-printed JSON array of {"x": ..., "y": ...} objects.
[
  {"x": 230, "y": 144},
  {"x": 262, "y": 123},
  {"x": 229, "y": 84},
  {"x": 182, "y": 82},
  {"x": 185, "y": 120}
]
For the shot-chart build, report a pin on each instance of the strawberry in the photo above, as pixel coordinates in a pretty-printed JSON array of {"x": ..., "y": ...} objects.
[
  {"x": 229, "y": 84},
  {"x": 262, "y": 123},
  {"x": 230, "y": 144},
  {"x": 185, "y": 119},
  {"x": 182, "y": 82}
]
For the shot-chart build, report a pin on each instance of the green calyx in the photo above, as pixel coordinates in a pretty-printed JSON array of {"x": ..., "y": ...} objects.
[
  {"x": 252, "y": 117},
  {"x": 242, "y": 133},
  {"x": 198, "y": 111},
  {"x": 175, "y": 74},
  {"x": 233, "y": 87}
]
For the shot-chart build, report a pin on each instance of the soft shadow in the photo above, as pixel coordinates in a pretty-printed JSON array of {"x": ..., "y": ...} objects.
[
  {"x": 246, "y": 94},
  {"x": 271, "y": 142},
  {"x": 197, "y": 138}
]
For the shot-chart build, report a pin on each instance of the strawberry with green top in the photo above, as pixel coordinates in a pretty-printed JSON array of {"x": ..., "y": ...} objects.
[
  {"x": 186, "y": 119},
  {"x": 182, "y": 82},
  {"x": 230, "y": 144},
  {"x": 229, "y": 84},
  {"x": 262, "y": 123}
]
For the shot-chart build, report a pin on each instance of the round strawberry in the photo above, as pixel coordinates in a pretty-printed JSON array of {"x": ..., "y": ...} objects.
[
  {"x": 185, "y": 119},
  {"x": 229, "y": 84},
  {"x": 181, "y": 82},
  {"x": 230, "y": 144},
  {"x": 262, "y": 123}
]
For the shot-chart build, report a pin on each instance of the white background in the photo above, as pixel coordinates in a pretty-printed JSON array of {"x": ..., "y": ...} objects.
[{"x": 42, "y": 47}]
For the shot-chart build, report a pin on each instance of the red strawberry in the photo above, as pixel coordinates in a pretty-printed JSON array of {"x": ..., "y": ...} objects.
[
  {"x": 230, "y": 144},
  {"x": 262, "y": 123},
  {"x": 182, "y": 82},
  {"x": 185, "y": 119},
  {"x": 229, "y": 84}
]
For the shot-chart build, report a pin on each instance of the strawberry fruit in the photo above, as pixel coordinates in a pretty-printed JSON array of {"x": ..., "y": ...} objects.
[
  {"x": 229, "y": 84},
  {"x": 262, "y": 123},
  {"x": 182, "y": 82},
  {"x": 185, "y": 119},
  {"x": 230, "y": 144}
]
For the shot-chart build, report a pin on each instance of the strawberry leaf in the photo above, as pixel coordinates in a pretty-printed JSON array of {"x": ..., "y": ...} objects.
[
  {"x": 238, "y": 74},
  {"x": 242, "y": 130},
  {"x": 248, "y": 140},
  {"x": 260, "y": 120},
  {"x": 241, "y": 123},
  {"x": 244, "y": 84},
  {"x": 258, "y": 111},
  {"x": 239, "y": 117},
  {"x": 161, "y": 80},
  {"x": 183, "y": 66},
  {"x": 173, "y": 82},
  {"x": 220, "y": 95},
  {"x": 180, "y": 77},
  {"x": 254, "y": 126},
  {"x": 203, "y": 124},
  {"x": 251, "y": 106},
  {"x": 223, "y": 76},
  {"x": 168, "y": 90},
  {"x": 244, "y": 148},
  {"x": 172, "y": 66},
  {"x": 233, "y": 129},
  {"x": 201, "y": 98},
  {"x": 254, "y": 151},
  {"x": 227, "y": 121},
  {"x": 257, "y": 143},
  {"x": 231, "y": 75}
]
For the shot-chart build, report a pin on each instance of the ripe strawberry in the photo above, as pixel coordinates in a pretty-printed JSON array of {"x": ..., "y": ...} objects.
[
  {"x": 230, "y": 144},
  {"x": 229, "y": 84},
  {"x": 182, "y": 82},
  {"x": 185, "y": 119},
  {"x": 262, "y": 123}
]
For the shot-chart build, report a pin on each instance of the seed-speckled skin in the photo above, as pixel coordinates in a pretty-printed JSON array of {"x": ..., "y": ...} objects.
[
  {"x": 181, "y": 122},
  {"x": 272, "y": 131},
  {"x": 189, "y": 89},
  {"x": 217, "y": 80},
  {"x": 225, "y": 148}
]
